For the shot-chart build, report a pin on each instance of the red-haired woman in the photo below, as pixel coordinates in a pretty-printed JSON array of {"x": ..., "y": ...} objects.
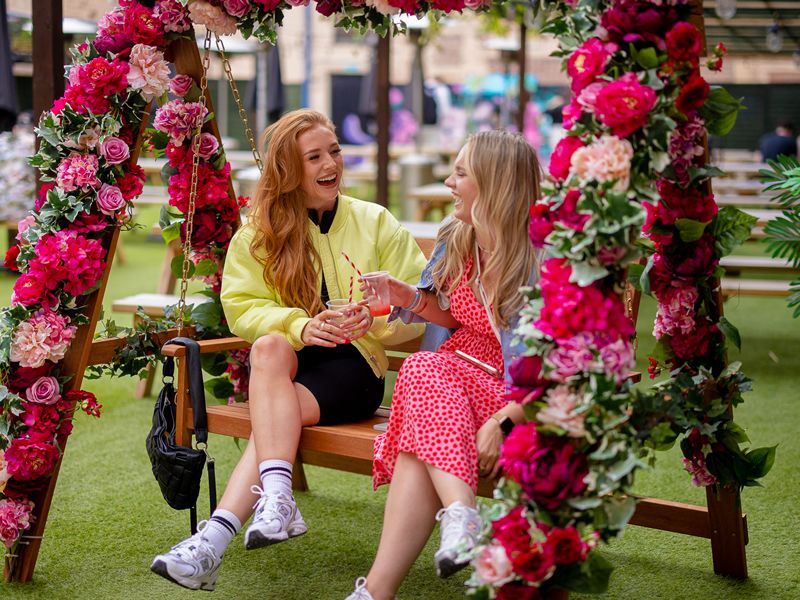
[{"x": 305, "y": 368}]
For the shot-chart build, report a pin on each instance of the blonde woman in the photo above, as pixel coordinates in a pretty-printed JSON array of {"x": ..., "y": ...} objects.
[
  {"x": 280, "y": 270},
  {"x": 448, "y": 414}
]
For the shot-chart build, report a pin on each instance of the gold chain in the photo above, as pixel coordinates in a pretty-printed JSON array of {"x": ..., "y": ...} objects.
[
  {"x": 239, "y": 104},
  {"x": 187, "y": 242}
]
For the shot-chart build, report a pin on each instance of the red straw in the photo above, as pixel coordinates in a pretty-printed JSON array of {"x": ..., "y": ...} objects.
[
  {"x": 352, "y": 264},
  {"x": 350, "y": 298}
]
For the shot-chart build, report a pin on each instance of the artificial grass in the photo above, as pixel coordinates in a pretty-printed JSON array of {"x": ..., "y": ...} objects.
[{"x": 108, "y": 519}]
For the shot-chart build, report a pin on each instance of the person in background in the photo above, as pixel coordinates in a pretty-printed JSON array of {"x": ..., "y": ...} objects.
[
  {"x": 449, "y": 415},
  {"x": 780, "y": 141},
  {"x": 308, "y": 364}
]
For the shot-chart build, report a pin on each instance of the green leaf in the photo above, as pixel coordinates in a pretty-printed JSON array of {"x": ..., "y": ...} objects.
[
  {"x": 761, "y": 461},
  {"x": 720, "y": 111},
  {"x": 635, "y": 271},
  {"x": 646, "y": 58},
  {"x": 219, "y": 387},
  {"x": 690, "y": 230},
  {"x": 205, "y": 267},
  {"x": 732, "y": 227},
  {"x": 729, "y": 330},
  {"x": 592, "y": 576},
  {"x": 619, "y": 511},
  {"x": 207, "y": 314},
  {"x": 177, "y": 267},
  {"x": 215, "y": 363},
  {"x": 585, "y": 274}
]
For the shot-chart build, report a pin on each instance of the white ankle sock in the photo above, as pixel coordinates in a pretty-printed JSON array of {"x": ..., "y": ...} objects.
[
  {"x": 220, "y": 529},
  {"x": 276, "y": 477}
]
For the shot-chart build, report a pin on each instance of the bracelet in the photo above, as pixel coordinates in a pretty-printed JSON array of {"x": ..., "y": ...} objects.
[{"x": 415, "y": 301}]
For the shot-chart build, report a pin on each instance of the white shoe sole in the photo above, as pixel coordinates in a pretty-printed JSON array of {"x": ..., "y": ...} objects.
[
  {"x": 161, "y": 567},
  {"x": 254, "y": 538}
]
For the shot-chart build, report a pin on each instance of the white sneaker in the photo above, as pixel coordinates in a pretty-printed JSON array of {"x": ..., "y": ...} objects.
[
  {"x": 192, "y": 563},
  {"x": 276, "y": 519},
  {"x": 361, "y": 592},
  {"x": 460, "y": 527}
]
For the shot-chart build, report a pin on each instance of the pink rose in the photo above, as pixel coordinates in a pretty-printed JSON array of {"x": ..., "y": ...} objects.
[
  {"x": 15, "y": 517},
  {"x": 493, "y": 566},
  {"x": 208, "y": 145},
  {"x": 44, "y": 391},
  {"x": 110, "y": 199},
  {"x": 115, "y": 150},
  {"x": 180, "y": 85},
  {"x": 624, "y": 104},
  {"x": 237, "y": 8}
]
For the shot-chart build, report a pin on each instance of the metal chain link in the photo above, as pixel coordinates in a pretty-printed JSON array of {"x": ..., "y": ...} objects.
[
  {"x": 187, "y": 242},
  {"x": 239, "y": 104}
]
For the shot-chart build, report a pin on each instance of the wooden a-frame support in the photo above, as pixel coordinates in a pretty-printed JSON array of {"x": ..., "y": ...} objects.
[{"x": 721, "y": 521}]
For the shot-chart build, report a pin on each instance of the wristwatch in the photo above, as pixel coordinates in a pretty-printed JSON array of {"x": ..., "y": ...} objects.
[{"x": 506, "y": 424}]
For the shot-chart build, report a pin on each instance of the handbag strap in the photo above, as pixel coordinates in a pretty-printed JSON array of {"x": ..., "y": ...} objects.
[
  {"x": 196, "y": 390},
  {"x": 198, "y": 395}
]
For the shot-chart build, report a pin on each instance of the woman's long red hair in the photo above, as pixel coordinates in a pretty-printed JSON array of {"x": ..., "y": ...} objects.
[{"x": 282, "y": 243}]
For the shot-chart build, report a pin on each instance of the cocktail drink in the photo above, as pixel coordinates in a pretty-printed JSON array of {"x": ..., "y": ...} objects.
[
  {"x": 377, "y": 293},
  {"x": 345, "y": 309}
]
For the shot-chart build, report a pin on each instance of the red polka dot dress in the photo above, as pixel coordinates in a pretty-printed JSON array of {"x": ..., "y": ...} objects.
[{"x": 440, "y": 400}]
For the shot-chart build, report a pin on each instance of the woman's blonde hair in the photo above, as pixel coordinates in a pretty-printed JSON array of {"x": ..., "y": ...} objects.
[
  {"x": 506, "y": 171},
  {"x": 282, "y": 243}
]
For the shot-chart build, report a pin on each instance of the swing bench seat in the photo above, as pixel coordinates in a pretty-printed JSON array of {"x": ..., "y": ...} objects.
[{"x": 347, "y": 447}]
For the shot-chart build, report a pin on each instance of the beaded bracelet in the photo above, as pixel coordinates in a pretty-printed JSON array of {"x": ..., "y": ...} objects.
[{"x": 415, "y": 301}]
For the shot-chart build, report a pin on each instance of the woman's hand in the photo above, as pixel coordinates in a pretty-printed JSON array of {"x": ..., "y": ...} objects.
[
  {"x": 488, "y": 441},
  {"x": 322, "y": 330},
  {"x": 358, "y": 323},
  {"x": 400, "y": 293}
]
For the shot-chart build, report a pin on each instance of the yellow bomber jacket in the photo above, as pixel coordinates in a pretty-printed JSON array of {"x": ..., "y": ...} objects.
[{"x": 369, "y": 234}]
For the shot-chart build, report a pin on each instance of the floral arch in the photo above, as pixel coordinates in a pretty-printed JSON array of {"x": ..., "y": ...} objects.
[{"x": 634, "y": 159}]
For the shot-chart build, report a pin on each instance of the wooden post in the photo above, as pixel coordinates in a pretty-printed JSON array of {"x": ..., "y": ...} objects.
[
  {"x": 522, "y": 100},
  {"x": 383, "y": 118},
  {"x": 48, "y": 55}
]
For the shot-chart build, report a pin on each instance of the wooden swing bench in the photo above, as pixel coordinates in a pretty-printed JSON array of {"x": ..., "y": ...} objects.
[{"x": 342, "y": 447}]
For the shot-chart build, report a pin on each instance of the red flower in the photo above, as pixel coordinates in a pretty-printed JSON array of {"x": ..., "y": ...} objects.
[
  {"x": 684, "y": 42},
  {"x": 24, "y": 377},
  {"x": 87, "y": 402},
  {"x": 567, "y": 214},
  {"x": 31, "y": 456},
  {"x": 534, "y": 564},
  {"x": 101, "y": 78},
  {"x": 328, "y": 7},
  {"x": 40, "y": 417},
  {"x": 566, "y": 545},
  {"x": 209, "y": 226},
  {"x": 89, "y": 222},
  {"x": 513, "y": 531},
  {"x": 624, "y": 104},
  {"x": 518, "y": 591},
  {"x": 41, "y": 197},
  {"x": 29, "y": 289},
  {"x": 141, "y": 27},
  {"x": 637, "y": 20},
  {"x": 448, "y": 5},
  {"x": 696, "y": 343},
  {"x": 693, "y": 94},
  {"x": 132, "y": 183},
  {"x": 562, "y": 155},
  {"x": 549, "y": 469},
  {"x": 10, "y": 261},
  {"x": 684, "y": 203},
  {"x": 269, "y": 5},
  {"x": 691, "y": 260},
  {"x": 540, "y": 224}
]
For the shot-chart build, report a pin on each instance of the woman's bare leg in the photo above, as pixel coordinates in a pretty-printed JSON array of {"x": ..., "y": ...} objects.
[{"x": 408, "y": 520}]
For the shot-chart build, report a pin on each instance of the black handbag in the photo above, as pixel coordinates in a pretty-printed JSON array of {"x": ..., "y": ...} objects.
[{"x": 178, "y": 469}]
